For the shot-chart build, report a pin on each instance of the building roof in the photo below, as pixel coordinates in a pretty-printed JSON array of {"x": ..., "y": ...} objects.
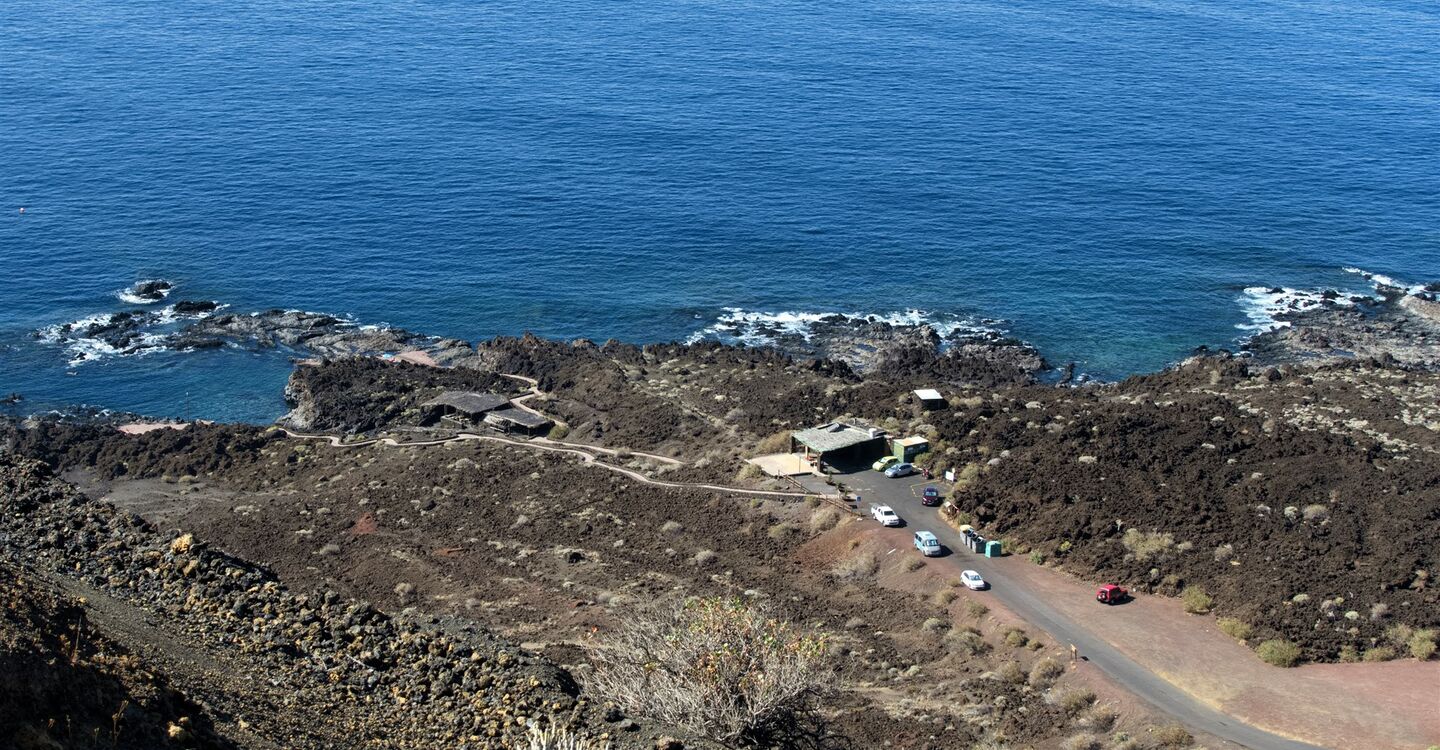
[
  {"x": 911, "y": 441},
  {"x": 518, "y": 417},
  {"x": 833, "y": 437},
  {"x": 929, "y": 394},
  {"x": 468, "y": 402}
]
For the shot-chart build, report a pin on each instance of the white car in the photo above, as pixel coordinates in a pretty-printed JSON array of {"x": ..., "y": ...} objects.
[
  {"x": 885, "y": 515},
  {"x": 973, "y": 581}
]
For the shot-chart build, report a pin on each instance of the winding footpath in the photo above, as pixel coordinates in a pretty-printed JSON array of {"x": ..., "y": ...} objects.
[{"x": 554, "y": 446}]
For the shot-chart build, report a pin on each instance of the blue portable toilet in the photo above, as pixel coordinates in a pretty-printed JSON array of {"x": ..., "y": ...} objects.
[{"x": 992, "y": 548}]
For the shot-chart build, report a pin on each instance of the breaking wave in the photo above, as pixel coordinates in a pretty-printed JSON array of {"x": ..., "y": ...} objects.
[
  {"x": 146, "y": 292},
  {"x": 755, "y": 328},
  {"x": 122, "y": 334},
  {"x": 1265, "y": 307}
]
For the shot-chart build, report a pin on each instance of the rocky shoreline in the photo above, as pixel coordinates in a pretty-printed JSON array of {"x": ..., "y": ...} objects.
[{"x": 1401, "y": 325}]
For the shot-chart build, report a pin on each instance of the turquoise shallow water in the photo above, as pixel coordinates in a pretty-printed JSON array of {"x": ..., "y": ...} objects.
[{"x": 1104, "y": 177}]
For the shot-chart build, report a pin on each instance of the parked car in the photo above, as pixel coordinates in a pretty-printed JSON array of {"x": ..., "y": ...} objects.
[
  {"x": 973, "y": 581},
  {"x": 1109, "y": 593},
  {"x": 928, "y": 545},
  {"x": 885, "y": 515},
  {"x": 900, "y": 470},
  {"x": 884, "y": 463},
  {"x": 930, "y": 496}
]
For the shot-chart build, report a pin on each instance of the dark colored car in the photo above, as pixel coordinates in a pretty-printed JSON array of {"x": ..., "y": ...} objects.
[{"x": 930, "y": 496}]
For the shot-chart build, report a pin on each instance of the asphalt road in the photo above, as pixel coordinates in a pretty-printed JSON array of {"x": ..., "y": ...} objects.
[{"x": 1166, "y": 697}]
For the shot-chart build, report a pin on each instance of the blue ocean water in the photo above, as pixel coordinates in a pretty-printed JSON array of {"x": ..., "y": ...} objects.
[{"x": 1106, "y": 176}]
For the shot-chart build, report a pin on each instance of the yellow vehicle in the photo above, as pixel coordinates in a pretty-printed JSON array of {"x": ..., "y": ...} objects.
[{"x": 884, "y": 463}]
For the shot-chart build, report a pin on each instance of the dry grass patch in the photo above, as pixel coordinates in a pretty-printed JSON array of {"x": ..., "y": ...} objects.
[
  {"x": 1174, "y": 736},
  {"x": 1234, "y": 628},
  {"x": 856, "y": 568}
]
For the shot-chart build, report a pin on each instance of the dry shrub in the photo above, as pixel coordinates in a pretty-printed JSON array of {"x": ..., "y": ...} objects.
[
  {"x": 1045, "y": 671},
  {"x": 748, "y": 471},
  {"x": 1147, "y": 545},
  {"x": 970, "y": 641},
  {"x": 1075, "y": 701},
  {"x": 1100, "y": 718},
  {"x": 706, "y": 557},
  {"x": 777, "y": 443},
  {"x": 672, "y": 528},
  {"x": 975, "y": 610},
  {"x": 1234, "y": 628},
  {"x": 1082, "y": 742},
  {"x": 1422, "y": 644},
  {"x": 856, "y": 568},
  {"x": 720, "y": 668},
  {"x": 779, "y": 531},
  {"x": 1379, "y": 653},
  {"x": 1196, "y": 600},
  {"x": 1173, "y": 735},
  {"x": 935, "y": 624},
  {"x": 1278, "y": 653},
  {"x": 1010, "y": 672},
  {"x": 913, "y": 564},
  {"x": 1016, "y": 638},
  {"x": 560, "y": 738},
  {"x": 824, "y": 519},
  {"x": 1399, "y": 634},
  {"x": 943, "y": 598}
]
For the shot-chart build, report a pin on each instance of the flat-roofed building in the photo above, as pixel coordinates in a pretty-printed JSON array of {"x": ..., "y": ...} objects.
[
  {"x": 464, "y": 406},
  {"x": 518, "y": 420},
  {"x": 840, "y": 443}
]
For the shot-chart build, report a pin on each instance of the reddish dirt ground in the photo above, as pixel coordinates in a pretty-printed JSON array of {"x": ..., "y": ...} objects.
[{"x": 1332, "y": 704}]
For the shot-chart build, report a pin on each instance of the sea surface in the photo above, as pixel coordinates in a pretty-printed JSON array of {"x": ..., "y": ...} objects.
[{"x": 1104, "y": 179}]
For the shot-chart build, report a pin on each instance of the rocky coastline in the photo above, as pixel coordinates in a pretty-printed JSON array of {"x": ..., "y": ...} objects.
[{"x": 1397, "y": 324}]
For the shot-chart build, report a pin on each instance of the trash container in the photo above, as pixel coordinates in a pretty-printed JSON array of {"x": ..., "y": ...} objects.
[{"x": 992, "y": 548}]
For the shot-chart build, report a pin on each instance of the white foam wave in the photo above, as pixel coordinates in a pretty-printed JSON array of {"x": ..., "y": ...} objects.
[
  {"x": 130, "y": 297},
  {"x": 1381, "y": 280},
  {"x": 1263, "y": 305},
  {"x": 756, "y": 328},
  {"x": 83, "y": 339}
]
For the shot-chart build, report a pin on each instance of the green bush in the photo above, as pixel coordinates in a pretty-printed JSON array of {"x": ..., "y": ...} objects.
[
  {"x": 1196, "y": 600},
  {"x": 1349, "y": 655},
  {"x": 559, "y": 432},
  {"x": 1037, "y": 557},
  {"x": 1234, "y": 628},
  {"x": 1278, "y": 653},
  {"x": 1016, "y": 638}
]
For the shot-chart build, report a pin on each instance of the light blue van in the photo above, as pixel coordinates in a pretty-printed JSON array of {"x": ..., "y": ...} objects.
[{"x": 928, "y": 545}]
